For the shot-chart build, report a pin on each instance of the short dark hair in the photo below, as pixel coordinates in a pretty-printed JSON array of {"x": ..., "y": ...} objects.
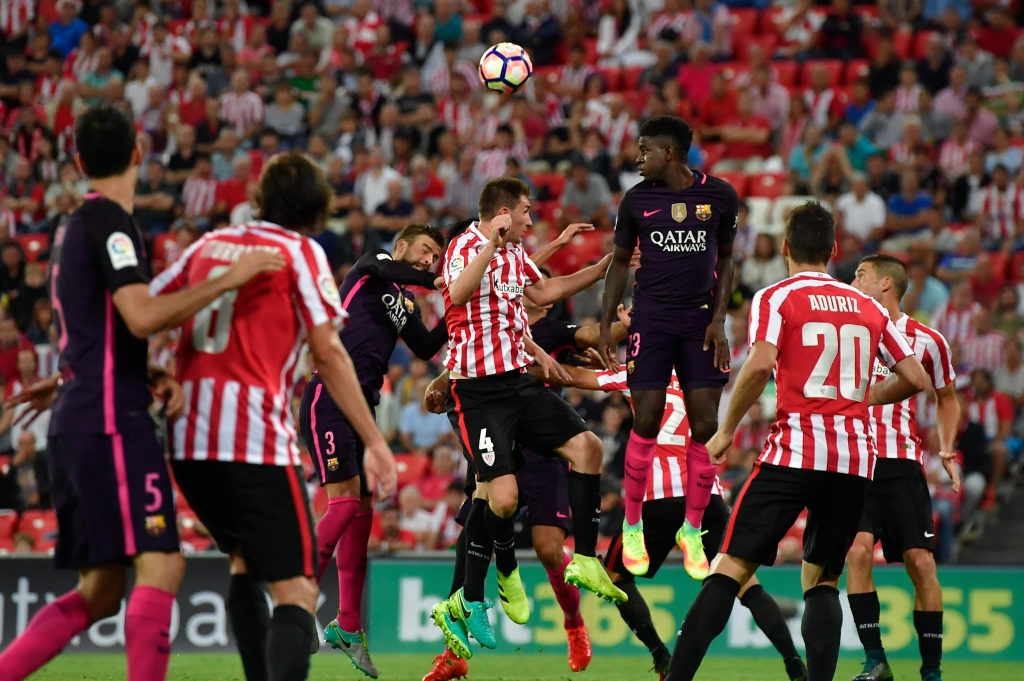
[
  {"x": 293, "y": 192},
  {"x": 501, "y": 192},
  {"x": 105, "y": 139},
  {"x": 410, "y": 233},
  {"x": 892, "y": 267},
  {"x": 459, "y": 228},
  {"x": 674, "y": 128},
  {"x": 811, "y": 234}
]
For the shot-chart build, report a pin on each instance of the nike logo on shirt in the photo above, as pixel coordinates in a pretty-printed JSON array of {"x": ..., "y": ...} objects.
[
  {"x": 929, "y": 535},
  {"x": 649, "y": 213},
  {"x": 559, "y": 514}
]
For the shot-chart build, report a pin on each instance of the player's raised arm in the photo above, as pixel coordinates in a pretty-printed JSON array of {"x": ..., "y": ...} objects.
[
  {"x": 550, "y": 291},
  {"x": 560, "y": 242},
  {"x": 463, "y": 284},
  {"x": 724, "y": 271},
  {"x": 753, "y": 378},
  {"x": 627, "y": 233}
]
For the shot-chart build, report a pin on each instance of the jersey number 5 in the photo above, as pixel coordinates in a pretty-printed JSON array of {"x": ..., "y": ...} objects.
[
  {"x": 854, "y": 362},
  {"x": 224, "y": 307}
]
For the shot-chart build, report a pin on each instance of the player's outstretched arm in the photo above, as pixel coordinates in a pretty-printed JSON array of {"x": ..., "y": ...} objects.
[
  {"x": 336, "y": 371},
  {"x": 754, "y": 375},
  {"x": 436, "y": 394},
  {"x": 614, "y": 286},
  {"x": 145, "y": 314},
  {"x": 462, "y": 288},
  {"x": 578, "y": 377},
  {"x": 909, "y": 379},
  {"x": 550, "y": 291},
  {"x": 590, "y": 336},
  {"x": 947, "y": 416},
  {"x": 560, "y": 242}
]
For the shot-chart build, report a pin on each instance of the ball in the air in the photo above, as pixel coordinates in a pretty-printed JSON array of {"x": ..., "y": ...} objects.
[{"x": 505, "y": 67}]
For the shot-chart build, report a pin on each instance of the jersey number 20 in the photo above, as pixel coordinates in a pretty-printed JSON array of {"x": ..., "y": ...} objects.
[
  {"x": 854, "y": 362},
  {"x": 215, "y": 340}
]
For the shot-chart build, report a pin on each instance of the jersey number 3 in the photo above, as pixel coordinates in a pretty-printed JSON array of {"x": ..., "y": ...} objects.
[
  {"x": 854, "y": 362},
  {"x": 215, "y": 340}
]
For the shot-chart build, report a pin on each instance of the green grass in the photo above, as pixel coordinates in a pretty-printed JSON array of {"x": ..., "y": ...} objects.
[{"x": 543, "y": 667}]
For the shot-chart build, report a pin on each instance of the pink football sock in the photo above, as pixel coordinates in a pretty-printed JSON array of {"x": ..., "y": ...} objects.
[
  {"x": 352, "y": 571},
  {"x": 639, "y": 453},
  {"x": 340, "y": 512},
  {"x": 147, "y": 625},
  {"x": 700, "y": 480},
  {"x": 567, "y": 595},
  {"x": 50, "y": 630}
]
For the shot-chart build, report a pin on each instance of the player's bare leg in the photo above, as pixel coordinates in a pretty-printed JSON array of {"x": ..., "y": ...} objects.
[
  {"x": 648, "y": 408},
  {"x": 249, "y": 617},
  {"x": 823, "y": 621},
  {"x": 290, "y": 626},
  {"x": 702, "y": 410},
  {"x": 98, "y": 595},
  {"x": 548, "y": 542},
  {"x": 585, "y": 453},
  {"x": 148, "y": 617}
]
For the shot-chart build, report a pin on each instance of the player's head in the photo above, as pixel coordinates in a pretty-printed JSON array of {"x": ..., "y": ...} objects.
[
  {"x": 664, "y": 141},
  {"x": 810, "y": 235},
  {"x": 105, "y": 142},
  {"x": 507, "y": 195},
  {"x": 419, "y": 246},
  {"x": 881, "y": 277},
  {"x": 293, "y": 192}
]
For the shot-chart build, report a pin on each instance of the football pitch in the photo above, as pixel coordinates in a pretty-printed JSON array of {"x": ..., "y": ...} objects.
[{"x": 544, "y": 667}]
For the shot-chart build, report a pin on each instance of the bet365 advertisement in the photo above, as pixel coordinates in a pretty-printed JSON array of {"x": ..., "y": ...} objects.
[{"x": 984, "y": 612}]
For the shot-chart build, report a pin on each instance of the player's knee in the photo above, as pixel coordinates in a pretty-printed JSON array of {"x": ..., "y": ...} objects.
[
  {"x": 860, "y": 557},
  {"x": 300, "y": 591},
  {"x": 585, "y": 452},
  {"x": 550, "y": 553},
  {"x": 646, "y": 425},
  {"x": 162, "y": 571},
  {"x": 703, "y": 429},
  {"x": 921, "y": 566}
]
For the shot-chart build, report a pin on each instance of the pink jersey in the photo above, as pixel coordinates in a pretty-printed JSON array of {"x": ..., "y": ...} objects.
[
  {"x": 485, "y": 336},
  {"x": 668, "y": 469},
  {"x": 894, "y": 426},
  {"x": 828, "y": 335},
  {"x": 237, "y": 356}
]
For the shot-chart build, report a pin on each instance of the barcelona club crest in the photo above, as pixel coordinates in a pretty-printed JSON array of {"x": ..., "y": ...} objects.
[
  {"x": 703, "y": 211},
  {"x": 678, "y": 212},
  {"x": 332, "y": 463},
  {"x": 156, "y": 525}
]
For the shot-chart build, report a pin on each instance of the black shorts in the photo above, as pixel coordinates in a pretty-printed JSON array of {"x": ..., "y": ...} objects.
[
  {"x": 113, "y": 498},
  {"x": 262, "y": 509},
  {"x": 662, "y": 519},
  {"x": 334, "y": 446},
  {"x": 490, "y": 415},
  {"x": 654, "y": 348},
  {"x": 774, "y": 496},
  {"x": 898, "y": 510}
]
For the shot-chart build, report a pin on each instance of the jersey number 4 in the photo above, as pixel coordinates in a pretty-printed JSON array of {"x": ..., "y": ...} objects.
[
  {"x": 214, "y": 340},
  {"x": 854, "y": 362}
]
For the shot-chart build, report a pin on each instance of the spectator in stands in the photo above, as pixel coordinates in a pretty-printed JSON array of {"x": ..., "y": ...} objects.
[
  {"x": 442, "y": 474},
  {"x": 798, "y": 27},
  {"x": 981, "y": 123},
  {"x": 925, "y": 293},
  {"x": 747, "y": 138},
  {"x": 883, "y": 126},
  {"x": 1005, "y": 317},
  {"x": 421, "y": 431},
  {"x": 884, "y": 71},
  {"x": 316, "y": 29},
  {"x": 155, "y": 200},
  {"x": 200, "y": 192},
  {"x": 389, "y": 536},
  {"x": 461, "y": 195},
  {"x": 765, "y": 267},
  {"x": 287, "y": 117},
  {"x": 969, "y": 190},
  {"x": 717, "y": 109},
  {"x": 1003, "y": 153},
  {"x": 695, "y": 76},
  {"x": 961, "y": 263},
  {"x": 933, "y": 68},
  {"x": 860, "y": 104},
  {"x": 993, "y": 411},
  {"x": 862, "y": 211},
  {"x": 586, "y": 197},
  {"x": 907, "y": 213},
  {"x": 225, "y": 154},
  {"x": 618, "y": 32},
  {"x": 953, "y": 318},
  {"x": 771, "y": 100},
  {"x": 936, "y": 125},
  {"x": 103, "y": 82},
  {"x": 38, "y": 330},
  {"x": 857, "y": 148},
  {"x": 840, "y": 34},
  {"x": 415, "y": 519},
  {"x": 710, "y": 23},
  {"x": 394, "y": 214},
  {"x": 999, "y": 219},
  {"x": 983, "y": 349},
  {"x": 832, "y": 176},
  {"x": 241, "y": 108},
  {"x": 977, "y": 62},
  {"x": 12, "y": 342},
  {"x": 66, "y": 31},
  {"x": 951, "y": 98}
]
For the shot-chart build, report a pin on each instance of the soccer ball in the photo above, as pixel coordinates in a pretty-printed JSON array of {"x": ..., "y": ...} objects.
[{"x": 505, "y": 67}]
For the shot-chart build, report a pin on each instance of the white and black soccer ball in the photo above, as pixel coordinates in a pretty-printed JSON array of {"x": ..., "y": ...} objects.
[{"x": 505, "y": 67}]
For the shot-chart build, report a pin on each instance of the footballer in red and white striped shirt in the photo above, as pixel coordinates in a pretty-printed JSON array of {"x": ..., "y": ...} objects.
[{"x": 898, "y": 508}]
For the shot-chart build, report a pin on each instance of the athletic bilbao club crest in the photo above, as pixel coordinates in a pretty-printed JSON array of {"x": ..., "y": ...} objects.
[
  {"x": 488, "y": 456},
  {"x": 703, "y": 211},
  {"x": 332, "y": 463},
  {"x": 678, "y": 212},
  {"x": 156, "y": 525}
]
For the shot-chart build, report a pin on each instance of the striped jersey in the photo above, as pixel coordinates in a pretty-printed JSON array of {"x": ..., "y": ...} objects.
[
  {"x": 667, "y": 479},
  {"x": 15, "y": 15},
  {"x": 955, "y": 323},
  {"x": 1002, "y": 211},
  {"x": 828, "y": 335},
  {"x": 237, "y": 356},
  {"x": 894, "y": 426},
  {"x": 242, "y": 110},
  {"x": 485, "y": 336},
  {"x": 985, "y": 351}
]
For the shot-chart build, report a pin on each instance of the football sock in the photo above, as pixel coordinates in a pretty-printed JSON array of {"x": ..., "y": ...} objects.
[
  {"x": 929, "y": 638},
  {"x": 770, "y": 620},
  {"x": 866, "y": 611},
  {"x": 705, "y": 620},
  {"x": 503, "y": 535},
  {"x": 585, "y": 502},
  {"x": 147, "y": 625},
  {"x": 700, "y": 480},
  {"x": 637, "y": 616},
  {"x": 639, "y": 454},
  {"x": 822, "y": 628},
  {"x": 288, "y": 644},
  {"x": 352, "y": 571},
  {"x": 340, "y": 512},
  {"x": 459, "y": 573},
  {"x": 567, "y": 595},
  {"x": 50, "y": 630},
  {"x": 250, "y": 620},
  {"x": 479, "y": 547}
]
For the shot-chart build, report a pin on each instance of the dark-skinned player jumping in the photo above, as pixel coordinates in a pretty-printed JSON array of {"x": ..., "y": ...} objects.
[{"x": 684, "y": 223}]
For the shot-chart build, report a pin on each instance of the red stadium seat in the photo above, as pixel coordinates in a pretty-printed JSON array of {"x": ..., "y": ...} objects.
[
  {"x": 586, "y": 248},
  {"x": 833, "y": 66},
  {"x": 903, "y": 42},
  {"x": 744, "y": 24},
  {"x": 6, "y": 546},
  {"x": 768, "y": 25},
  {"x": 631, "y": 78},
  {"x": 768, "y": 185},
  {"x": 8, "y": 521},
  {"x": 1015, "y": 268},
  {"x": 741, "y": 48},
  {"x": 787, "y": 71},
  {"x": 713, "y": 153},
  {"x": 1000, "y": 264},
  {"x": 731, "y": 69},
  {"x": 738, "y": 180},
  {"x": 38, "y": 524},
  {"x": 411, "y": 468},
  {"x": 33, "y": 245},
  {"x": 921, "y": 43},
  {"x": 590, "y": 51},
  {"x": 856, "y": 68},
  {"x": 555, "y": 182}
]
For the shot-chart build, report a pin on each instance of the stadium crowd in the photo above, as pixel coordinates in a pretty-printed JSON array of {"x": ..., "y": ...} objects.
[{"x": 906, "y": 117}]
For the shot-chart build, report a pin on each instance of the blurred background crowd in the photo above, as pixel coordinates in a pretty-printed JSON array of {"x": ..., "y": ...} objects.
[{"x": 905, "y": 116}]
